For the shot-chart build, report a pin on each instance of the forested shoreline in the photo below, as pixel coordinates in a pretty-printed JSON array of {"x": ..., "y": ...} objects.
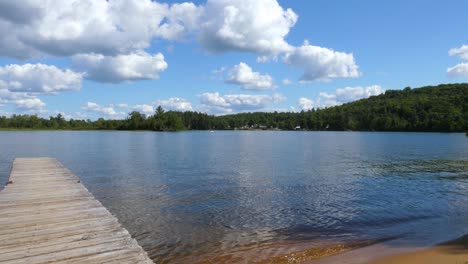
[{"x": 442, "y": 108}]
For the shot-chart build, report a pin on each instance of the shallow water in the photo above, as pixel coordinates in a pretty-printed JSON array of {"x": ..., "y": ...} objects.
[{"x": 201, "y": 196}]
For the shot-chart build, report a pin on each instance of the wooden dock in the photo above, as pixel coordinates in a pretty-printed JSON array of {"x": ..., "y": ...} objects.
[{"x": 48, "y": 216}]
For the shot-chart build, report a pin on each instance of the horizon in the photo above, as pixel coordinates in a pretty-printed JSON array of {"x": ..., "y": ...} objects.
[{"x": 91, "y": 59}]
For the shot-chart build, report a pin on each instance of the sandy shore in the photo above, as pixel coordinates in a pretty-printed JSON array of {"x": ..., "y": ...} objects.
[
  {"x": 363, "y": 252},
  {"x": 455, "y": 251},
  {"x": 451, "y": 252}
]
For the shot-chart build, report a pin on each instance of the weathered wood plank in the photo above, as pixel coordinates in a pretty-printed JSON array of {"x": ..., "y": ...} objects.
[
  {"x": 56, "y": 242},
  {"x": 35, "y": 236},
  {"x": 119, "y": 256},
  {"x": 42, "y": 203},
  {"x": 57, "y": 228},
  {"x": 28, "y": 209},
  {"x": 47, "y": 215},
  {"x": 47, "y": 209}
]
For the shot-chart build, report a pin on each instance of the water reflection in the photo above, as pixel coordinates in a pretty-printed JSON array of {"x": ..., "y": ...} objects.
[{"x": 229, "y": 195}]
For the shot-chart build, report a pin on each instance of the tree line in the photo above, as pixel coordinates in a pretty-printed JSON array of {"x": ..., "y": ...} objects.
[{"x": 442, "y": 108}]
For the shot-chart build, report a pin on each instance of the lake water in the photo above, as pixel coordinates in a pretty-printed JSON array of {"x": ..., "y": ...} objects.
[{"x": 201, "y": 195}]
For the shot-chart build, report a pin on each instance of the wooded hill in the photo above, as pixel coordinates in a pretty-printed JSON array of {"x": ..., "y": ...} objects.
[{"x": 442, "y": 108}]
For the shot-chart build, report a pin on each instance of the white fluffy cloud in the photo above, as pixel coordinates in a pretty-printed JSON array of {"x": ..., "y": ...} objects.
[
  {"x": 462, "y": 52},
  {"x": 30, "y": 104},
  {"x": 65, "y": 28},
  {"x": 305, "y": 103},
  {"x": 182, "y": 19},
  {"x": 87, "y": 26},
  {"x": 214, "y": 102},
  {"x": 321, "y": 101},
  {"x": 243, "y": 25},
  {"x": 321, "y": 63},
  {"x": 349, "y": 94},
  {"x": 7, "y": 96},
  {"x": 459, "y": 70},
  {"x": 22, "y": 84},
  {"x": 144, "y": 108},
  {"x": 261, "y": 27},
  {"x": 119, "y": 111},
  {"x": 177, "y": 104},
  {"x": 106, "y": 111},
  {"x": 107, "y": 31},
  {"x": 340, "y": 96},
  {"x": 135, "y": 66},
  {"x": 120, "y": 105},
  {"x": 23, "y": 101},
  {"x": 39, "y": 78},
  {"x": 244, "y": 76}
]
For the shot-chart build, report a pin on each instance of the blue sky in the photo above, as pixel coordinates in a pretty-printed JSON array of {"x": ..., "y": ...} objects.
[{"x": 89, "y": 59}]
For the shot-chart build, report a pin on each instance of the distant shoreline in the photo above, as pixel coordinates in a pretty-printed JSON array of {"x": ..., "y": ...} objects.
[
  {"x": 218, "y": 130},
  {"x": 439, "y": 108}
]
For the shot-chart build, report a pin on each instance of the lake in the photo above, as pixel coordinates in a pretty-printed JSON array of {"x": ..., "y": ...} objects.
[{"x": 231, "y": 195}]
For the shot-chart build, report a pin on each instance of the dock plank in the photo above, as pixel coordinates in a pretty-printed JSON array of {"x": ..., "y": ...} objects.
[{"x": 48, "y": 216}]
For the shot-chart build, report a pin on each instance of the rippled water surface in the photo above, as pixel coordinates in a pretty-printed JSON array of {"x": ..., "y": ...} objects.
[{"x": 204, "y": 196}]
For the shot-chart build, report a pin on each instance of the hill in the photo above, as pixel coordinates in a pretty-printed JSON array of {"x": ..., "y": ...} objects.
[{"x": 442, "y": 108}]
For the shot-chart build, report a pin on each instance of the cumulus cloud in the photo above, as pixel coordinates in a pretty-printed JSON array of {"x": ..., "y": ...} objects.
[
  {"x": 242, "y": 25},
  {"x": 462, "y": 52},
  {"x": 107, "y": 39},
  {"x": 8, "y": 96},
  {"x": 108, "y": 30},
  {"x": 10, "y": 44},
  {"x": 122, "y": 26},
  {"x": 263, "y": 59},
  {"x": 30, "y": 104},
  {"x": 94, "y": 107},
  {"x": 22, "y": 84},
  {"x": 65, "y": 115},
  {"x": 39, "y": 78},
  {"x": 340, "y": 96},
  {"x": 105, "y": 27},
  {"x": 135, "y": 66},
  {"x": 144, "y": 108},
  {"x": 119, "y": 111},
  {"x": 322, "y": 64},
  {"x": 21, "y": 13},
  {"x": 305, "y": 103},
  {"x": 459, "y": 70},
  {"x": 182, "y": 20},
  {"x": 349, "y": 94},
  {"x": 244, "y": 76},
  {"x": 177, "y": 104},
  {"x": 261, "y": 27},
  {"x": 121, "y": 105},
  {"x": 214, "y": 102},
  {"x": 322, "y": 101}
]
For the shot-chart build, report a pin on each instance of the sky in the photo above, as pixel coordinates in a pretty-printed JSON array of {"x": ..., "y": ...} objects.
[{"x": 94, "y": 58}]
